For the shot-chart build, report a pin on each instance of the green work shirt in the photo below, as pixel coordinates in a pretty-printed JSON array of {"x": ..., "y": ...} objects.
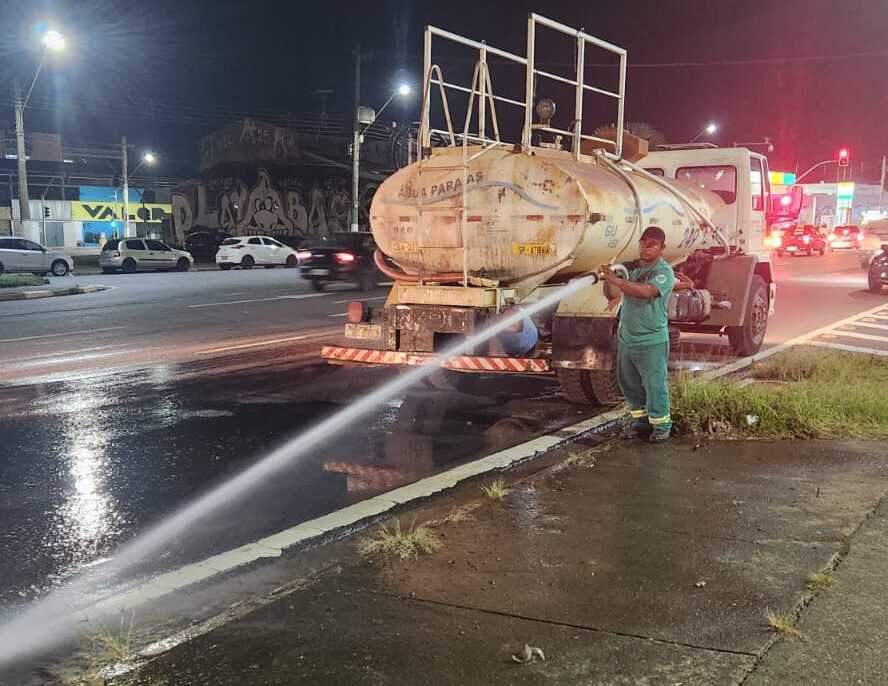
[{"x": 643, "y": 321}]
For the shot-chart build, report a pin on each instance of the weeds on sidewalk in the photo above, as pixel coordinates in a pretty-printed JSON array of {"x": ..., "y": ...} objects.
[
  {"x": 830, "y": 394},
  {"x": 16, "y": 280},
  {"x": 782, "y": 624},
  {"x": 818, "y": 582},
  {"x": 463, "y": 513},
  {"x": 396, "y": 542},
  {"x": 497, "y": 490}
]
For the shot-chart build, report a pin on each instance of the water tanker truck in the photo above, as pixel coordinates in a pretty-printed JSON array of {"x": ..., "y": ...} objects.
[{"x": 478, "y": 226}]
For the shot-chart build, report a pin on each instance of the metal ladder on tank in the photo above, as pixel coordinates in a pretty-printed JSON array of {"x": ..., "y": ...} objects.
[{"x": 481, "y": 86}]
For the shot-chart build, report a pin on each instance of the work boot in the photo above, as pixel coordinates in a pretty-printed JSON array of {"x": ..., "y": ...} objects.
[
  {"x": 659, "y": 435},
  {"x": 636, "y": 430}
]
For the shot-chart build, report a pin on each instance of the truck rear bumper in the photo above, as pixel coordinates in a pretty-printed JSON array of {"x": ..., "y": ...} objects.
[{"x": 463, "y": 363}]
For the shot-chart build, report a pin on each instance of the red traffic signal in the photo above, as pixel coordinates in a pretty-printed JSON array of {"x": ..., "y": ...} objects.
[{"x": 844, "y": 155}]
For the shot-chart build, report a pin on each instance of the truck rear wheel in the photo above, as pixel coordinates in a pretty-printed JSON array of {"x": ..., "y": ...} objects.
[
  {"x": 747, "y": 340},
  {"x": 590, "y": 386}
]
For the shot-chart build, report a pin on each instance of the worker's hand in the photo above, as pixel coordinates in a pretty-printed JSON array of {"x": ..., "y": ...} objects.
[
  {"x": 613, "y": 304},
  {"x": 609, "y": 276}
]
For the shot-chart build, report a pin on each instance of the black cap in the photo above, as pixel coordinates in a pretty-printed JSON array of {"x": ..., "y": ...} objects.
[{"x": 656, "y": 233}]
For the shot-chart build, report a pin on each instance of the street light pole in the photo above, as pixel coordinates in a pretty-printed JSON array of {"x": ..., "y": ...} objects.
[
  {"x": 24, "y": 205},
  {"x": 356, "y": 145},
  {"x": 819, "y": 164},
  {"x": 125, "y": 179}
]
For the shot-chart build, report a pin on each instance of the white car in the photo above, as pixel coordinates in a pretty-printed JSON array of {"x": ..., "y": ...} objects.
[
  {"x": 22, "y": 255},
  {"x": 247, "y": 252}
]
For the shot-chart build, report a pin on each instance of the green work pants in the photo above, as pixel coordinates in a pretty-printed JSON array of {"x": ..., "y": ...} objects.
[{"x": 641, "y": 372}]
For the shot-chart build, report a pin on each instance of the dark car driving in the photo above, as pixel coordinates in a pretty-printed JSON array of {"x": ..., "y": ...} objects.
[
  {"x": 346, "y": 256},
  {"x": 877, "y": 277},
  {"x": 803, "y": 240},
  {"x": 205, "y": 244}
]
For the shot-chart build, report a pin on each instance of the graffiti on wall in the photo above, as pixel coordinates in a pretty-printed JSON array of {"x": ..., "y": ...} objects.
[{"x": 275, "y": 207}]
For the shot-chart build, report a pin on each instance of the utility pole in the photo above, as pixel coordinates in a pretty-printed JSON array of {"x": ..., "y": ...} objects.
[
  {"x": 125, "y": 179},
  {"x": 356, "y": 144},
  {"x": 24, "y": 205}
]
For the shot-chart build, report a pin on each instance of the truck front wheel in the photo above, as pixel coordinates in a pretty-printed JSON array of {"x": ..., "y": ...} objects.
[
  {"x": 747, "y": 340},
  {"x": 447, "y": 380},
  {"x": 590, "y": 386}
]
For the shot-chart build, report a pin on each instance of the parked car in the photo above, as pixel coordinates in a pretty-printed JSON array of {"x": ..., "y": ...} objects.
[
  {"x": 142, "y": 254},
  {"x": 805, "y": 239},
  {"x": 22, "y": 255},
  {"x": 205, "y": 244},
  {"x": 346, "y": 256},
  {"x": 846, "y": 237},
  {"x": 877, "y": 275},
  {"x": 247, "y": 252}
]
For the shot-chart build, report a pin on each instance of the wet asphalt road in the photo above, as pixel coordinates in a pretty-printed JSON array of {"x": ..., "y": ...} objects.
[{"x": 117, "y": 408}]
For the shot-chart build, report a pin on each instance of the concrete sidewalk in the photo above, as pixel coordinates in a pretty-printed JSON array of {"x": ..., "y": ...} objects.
[{"x": 636, "y": 565}]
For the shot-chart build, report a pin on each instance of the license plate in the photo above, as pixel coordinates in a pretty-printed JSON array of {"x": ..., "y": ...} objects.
[
  {"x": 364, "y": 332},
  {"x": 319, "y": 272},
  {"x": 791, "y": 248}
]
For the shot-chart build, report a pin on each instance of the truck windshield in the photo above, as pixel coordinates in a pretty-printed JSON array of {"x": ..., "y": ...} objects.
[{"x": 720, "y": 179}]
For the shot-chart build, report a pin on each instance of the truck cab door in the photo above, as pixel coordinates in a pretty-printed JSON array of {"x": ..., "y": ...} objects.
[{"x": 758, "y": 187}]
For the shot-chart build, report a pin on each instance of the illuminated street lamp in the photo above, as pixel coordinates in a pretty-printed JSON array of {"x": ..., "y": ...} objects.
[
  {"x": 366, "y": 116},
  {"x": 148, "y": 158},
  {"x": 53, "y": 41},
  {"x": 710, "y": 129}
]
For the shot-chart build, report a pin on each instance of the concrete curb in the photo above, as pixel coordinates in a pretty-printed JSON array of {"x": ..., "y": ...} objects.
[{"x": 55, "y": 292}]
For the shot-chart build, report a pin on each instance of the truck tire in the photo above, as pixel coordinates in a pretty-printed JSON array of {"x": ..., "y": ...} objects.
[
  {"x": 446, "y": 380},
  {"x": 590, "y": 386},
  {"x": 747, "y": 340}
]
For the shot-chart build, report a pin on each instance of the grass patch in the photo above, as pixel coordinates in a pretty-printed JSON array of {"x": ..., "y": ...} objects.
[
  {"x": 830, "y": 394},
  {"x": 818, "y": 582},
  {"x": 497, "y": 490},
  {"x": 782, "y": 624},
  {"x": 16, "y": 280},
  {"x": 396, "y": 542},
  {"x": 463, "y": 513},
  {"x": 113, "y": 644}
]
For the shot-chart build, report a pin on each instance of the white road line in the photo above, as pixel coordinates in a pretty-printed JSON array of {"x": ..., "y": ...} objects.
[
  {"x": 259, "y": 300},
  {"x": 361, "y": 300},
  {"x": 251, "y": 345},
  {"x": 870, "y": 325},
  {"x": 55, "y": 335},
  {"x": 841, "y": 333},
  {"x": 850, "y": 348},
  {"x": 338, "y": 314}
]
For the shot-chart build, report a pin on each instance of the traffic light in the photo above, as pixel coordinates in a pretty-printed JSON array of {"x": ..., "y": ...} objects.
[
  {"x": 46, "y": 212},
  {"x": 844, "y": 156}
]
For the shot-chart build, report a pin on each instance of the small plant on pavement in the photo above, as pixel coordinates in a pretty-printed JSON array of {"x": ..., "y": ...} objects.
[
  {"x": 782, "y": 624},
  {"x": 463, "y": 513},
  {"x": 396, "y": 542},
  {"x": 818, "y": 582},
  {"x": 497, "y": 490}
]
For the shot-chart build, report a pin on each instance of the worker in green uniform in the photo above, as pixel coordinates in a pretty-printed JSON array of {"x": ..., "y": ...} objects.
[{"x": 643, "y": 338}]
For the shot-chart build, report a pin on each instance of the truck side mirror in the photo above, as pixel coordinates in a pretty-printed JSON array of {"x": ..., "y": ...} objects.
[{"x": 787, "y": 205}]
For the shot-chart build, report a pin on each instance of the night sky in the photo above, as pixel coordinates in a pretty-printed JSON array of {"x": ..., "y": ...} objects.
[{"x": 811, "y": 74}]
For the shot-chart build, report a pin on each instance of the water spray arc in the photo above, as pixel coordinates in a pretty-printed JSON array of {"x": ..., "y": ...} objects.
[{"x": 57, "y": 617}]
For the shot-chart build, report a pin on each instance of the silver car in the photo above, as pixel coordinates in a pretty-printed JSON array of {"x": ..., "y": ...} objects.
[
  {"x": 140, "y": 254},
  {"x": 22, "y": 255}
]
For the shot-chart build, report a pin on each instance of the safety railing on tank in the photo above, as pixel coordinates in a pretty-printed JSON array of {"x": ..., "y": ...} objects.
[{"x": 480, "y": 87}]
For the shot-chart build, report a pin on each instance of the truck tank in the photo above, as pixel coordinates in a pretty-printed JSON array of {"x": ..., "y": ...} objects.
[{"x": 528, "y": 219}]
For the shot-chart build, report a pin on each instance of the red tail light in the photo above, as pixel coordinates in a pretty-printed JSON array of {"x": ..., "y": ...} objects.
[
  {"x": 303, "y": 254},
  {"x": 237, "y": 247},
  {"x": 345, "y": 257},
  {"x": 806, "y": 239}
]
